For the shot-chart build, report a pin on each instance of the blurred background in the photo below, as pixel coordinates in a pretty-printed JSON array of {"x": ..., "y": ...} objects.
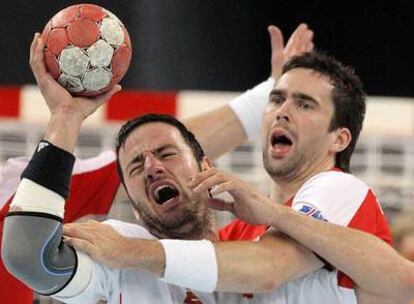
[
  {"x": 223, "y": 45},
  {"x": 191, "y": 55}
]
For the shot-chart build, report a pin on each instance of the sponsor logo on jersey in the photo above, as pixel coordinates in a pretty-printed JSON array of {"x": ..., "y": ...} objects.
[{"x": 311, "y": 211}]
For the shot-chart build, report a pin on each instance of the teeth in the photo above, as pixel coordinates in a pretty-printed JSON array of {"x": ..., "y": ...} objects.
[{"x": 159, "y": 188}]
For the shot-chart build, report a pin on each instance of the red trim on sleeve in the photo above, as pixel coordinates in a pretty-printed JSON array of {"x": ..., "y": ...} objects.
[{"x": 371, "y": 219}]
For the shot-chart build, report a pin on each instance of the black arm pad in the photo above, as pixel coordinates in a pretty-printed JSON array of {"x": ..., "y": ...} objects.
[{"x": 51, "y": 167}]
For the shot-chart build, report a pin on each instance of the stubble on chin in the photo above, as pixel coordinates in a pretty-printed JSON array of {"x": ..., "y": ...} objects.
[
  {"x": 281, "y": 169},
  {"x": 189, "y": 223}
]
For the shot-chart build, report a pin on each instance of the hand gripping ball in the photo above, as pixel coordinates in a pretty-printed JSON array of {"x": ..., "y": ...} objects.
[{"x": 87, "y": 50}]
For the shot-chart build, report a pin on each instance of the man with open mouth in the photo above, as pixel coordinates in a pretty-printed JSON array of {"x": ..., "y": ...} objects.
[
  {"x": 309, "y": 130},
  {"x": 155, "y": 172}
]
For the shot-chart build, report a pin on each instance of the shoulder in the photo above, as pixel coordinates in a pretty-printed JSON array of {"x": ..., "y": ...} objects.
[
  {"x": 335, "y": 180},
  {"x": 334, "y": 196},
  {"x": 130, "y": 230},
  {"x": 333, "y": 185}
]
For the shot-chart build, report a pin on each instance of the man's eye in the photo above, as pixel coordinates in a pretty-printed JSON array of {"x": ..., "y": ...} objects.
[
  {"x": 276, "y": 99},
  {"x": 166, "y": 155},
  {"x": 305, "y": 105},
  {"x": 135, "y": 169}
]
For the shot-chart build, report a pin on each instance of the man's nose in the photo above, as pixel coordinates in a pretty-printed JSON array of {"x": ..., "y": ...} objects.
[
  {"x": 153, "y": 167},
  {"x": 282, "y": 113}
]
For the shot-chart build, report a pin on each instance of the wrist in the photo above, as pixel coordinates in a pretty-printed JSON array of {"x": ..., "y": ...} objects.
[
  {"x": 145, "y": 255},
  {"x": 278, "y": 213},
  {"x": 190, "y": 264},
  {"x": 68, "y": 114},
  {"x": 63, "y": 130},
  {"x": 249, "y": 107}
]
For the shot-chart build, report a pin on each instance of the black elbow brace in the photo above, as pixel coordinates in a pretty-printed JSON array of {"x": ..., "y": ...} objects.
[{"x": 35, "y": 253}]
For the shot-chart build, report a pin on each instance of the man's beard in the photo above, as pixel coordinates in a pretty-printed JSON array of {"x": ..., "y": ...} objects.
[{"x": 191, "y": 223}]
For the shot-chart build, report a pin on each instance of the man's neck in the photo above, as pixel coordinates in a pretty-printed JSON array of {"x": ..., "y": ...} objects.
[{"x": 287, "y": 188}]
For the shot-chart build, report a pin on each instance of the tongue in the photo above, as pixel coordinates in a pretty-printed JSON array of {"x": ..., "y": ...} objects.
[{"x": 281, "y": 148}]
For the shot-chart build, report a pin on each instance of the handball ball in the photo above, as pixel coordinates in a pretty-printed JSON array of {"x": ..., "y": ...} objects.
[{"x": 87, "y": 50}]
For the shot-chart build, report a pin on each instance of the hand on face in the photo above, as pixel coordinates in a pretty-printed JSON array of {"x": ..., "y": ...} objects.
[
  {"x": 300, "y": 42},
  {"x": 100, "y": 241},
  {"x": 58, "y": 99},
  {"x": 249, "y": 205}
]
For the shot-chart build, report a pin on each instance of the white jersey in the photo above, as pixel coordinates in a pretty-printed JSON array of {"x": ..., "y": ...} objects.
[
  {"x": 121, "y": 286},
  {"x": 333, "y": 196},
  {"x": 339, "y": 198}
]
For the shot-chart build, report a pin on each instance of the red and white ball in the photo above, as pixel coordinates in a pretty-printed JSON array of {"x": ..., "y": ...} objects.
[{"x": 88, "y": 49}]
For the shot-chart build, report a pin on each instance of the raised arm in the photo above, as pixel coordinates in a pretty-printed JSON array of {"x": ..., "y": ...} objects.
[
  {"x": 223, "y": 129},
  {"x": 32, "y": 249}
]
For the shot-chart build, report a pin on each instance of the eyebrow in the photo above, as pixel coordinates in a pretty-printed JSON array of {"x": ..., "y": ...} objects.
[
  {"x": 140, "y": 158},
  {"x": 296, "y": 95},
  {"x": 277, "y": 92},
  {"x": 306, "y": 97}
]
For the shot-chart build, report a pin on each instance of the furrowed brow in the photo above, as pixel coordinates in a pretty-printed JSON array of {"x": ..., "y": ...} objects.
[{"x": 138, "y": 158}]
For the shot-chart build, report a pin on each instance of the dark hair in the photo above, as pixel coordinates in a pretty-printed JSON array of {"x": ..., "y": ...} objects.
[
  {"x": 132, "y": 124},
  {"x": 348, "y": 97}
]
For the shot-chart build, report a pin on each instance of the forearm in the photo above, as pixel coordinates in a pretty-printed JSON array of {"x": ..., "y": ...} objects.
[
  {"x": 370, "y": 262},
  {"x": 262, "y": 266},
  {"x": 223, "y": 129},
  {"x": 238, "y": 266},
  {"x": 218, "y": 131},
  {"x": 63, "y": 130},
  {"x": 146, "y": 255}
]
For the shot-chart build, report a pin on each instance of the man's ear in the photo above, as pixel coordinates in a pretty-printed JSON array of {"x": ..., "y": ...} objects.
[
  {"x": 206, "y": 164},
  {"x": 342, "y": 139}
]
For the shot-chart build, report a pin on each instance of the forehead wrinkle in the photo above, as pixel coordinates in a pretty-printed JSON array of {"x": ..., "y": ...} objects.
[{"x": 140, "y": 139}]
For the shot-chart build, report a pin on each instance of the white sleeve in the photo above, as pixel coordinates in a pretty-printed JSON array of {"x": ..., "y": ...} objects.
[
  {"x": 249, "y": 107},
  {"x": 332, "y": 196},
  {"x": 10, "y": 177},
  {"x": 103, "y": 284}
]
